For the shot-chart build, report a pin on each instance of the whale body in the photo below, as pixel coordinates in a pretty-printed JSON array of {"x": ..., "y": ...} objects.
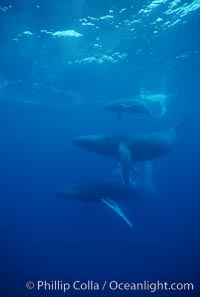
[
  {"x": 104, "y": 192},
  {"x": 128, "y": 148},
  {"x": 94, "y": 192},
  {"x": 142, "y": 147}
]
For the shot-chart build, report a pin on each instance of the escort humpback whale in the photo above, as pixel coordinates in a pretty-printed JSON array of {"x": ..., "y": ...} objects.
[
  {"x": 105, "y": 192},
  {"x": 128, "y": 106},
  {"x": 128, "y": 148}
]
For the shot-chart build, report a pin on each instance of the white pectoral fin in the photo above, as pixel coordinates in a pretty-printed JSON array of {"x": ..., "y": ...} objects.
[
  {"x": 125, "y": 162},
  {"x": 111, "y": 204}
]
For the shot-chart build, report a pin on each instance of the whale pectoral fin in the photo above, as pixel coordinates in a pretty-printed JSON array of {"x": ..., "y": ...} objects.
[
  {"x": 125, "y": 162},
  {"x": 111, "y": 204}
]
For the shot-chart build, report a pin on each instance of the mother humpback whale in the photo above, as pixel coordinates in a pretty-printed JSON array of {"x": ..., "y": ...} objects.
[{"x": 128, "y": 148}]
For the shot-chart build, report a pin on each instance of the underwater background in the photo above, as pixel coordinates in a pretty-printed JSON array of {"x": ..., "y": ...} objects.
[{"x": 60, "y": 62}]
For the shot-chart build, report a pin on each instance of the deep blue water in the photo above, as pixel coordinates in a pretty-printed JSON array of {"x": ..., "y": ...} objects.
[{"x": 52, "y": 89}]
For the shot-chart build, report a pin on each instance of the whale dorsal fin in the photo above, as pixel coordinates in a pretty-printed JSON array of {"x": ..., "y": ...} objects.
[{"x": 125, "y": 162}]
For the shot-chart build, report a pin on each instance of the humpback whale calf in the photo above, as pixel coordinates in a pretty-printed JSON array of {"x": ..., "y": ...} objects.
[
  {"x": 105, "y": 192},
  {"x": 128, "y": 148},
  {"x": 128, "y": 106}
]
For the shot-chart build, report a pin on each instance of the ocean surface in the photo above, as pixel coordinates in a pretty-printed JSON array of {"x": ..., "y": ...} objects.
[{"x": 60, "y": 63}]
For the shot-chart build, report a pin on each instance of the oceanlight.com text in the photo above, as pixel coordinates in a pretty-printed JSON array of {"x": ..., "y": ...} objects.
[{"x": 112, "y": 285}]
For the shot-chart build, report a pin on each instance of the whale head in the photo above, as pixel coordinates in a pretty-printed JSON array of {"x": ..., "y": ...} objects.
[
  {"x": 100, "y": 143},
  {"x": 111, "y": 106},
  {"x": 70, "y": 192},
  {"x": 80, "y": 192}
]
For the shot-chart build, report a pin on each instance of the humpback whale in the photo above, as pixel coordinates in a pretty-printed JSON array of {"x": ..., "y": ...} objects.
[
  {"x": 128, "y": 106},
  {"x": 105, "y": 192},
  {"x": 128, "y": 148}
]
